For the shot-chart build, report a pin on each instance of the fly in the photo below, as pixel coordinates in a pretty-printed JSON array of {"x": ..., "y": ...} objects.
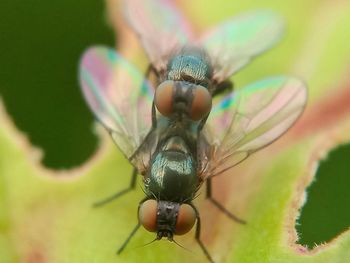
[
  {"x": 192, "y": 68},
  {"x": 172, "y": 131}
]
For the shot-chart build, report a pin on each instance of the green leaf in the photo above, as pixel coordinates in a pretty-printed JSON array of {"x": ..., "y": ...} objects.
[{"x": 47, "y": 215}]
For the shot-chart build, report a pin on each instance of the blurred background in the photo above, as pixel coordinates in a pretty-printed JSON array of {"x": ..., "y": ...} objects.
[{"x": 41, "y": 43}]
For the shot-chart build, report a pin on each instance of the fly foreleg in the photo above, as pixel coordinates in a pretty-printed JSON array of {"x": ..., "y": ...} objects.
[
  {"x": 219, "y": 206},
  {"x": 152, "y": 75},
  {"x": 133, "y": 232},
  {"x": 198, "y": 235},
  {"x": 225, "y": 86},
  {"x": 122, "y": 192}
]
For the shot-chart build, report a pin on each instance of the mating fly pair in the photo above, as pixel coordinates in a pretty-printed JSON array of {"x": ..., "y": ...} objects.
[{"x": 179, "y": 133}]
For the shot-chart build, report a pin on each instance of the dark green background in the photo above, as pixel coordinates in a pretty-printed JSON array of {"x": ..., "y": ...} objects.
[
  {"x": 41, "y": 42},
  {"x": 326, "y": 213},
  {"x": 40, "y": 46}
]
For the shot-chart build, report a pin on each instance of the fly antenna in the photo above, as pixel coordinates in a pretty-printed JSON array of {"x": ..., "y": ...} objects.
[
  {"x": 147, "y": 243},
  {"x": 181, "y": 246}
]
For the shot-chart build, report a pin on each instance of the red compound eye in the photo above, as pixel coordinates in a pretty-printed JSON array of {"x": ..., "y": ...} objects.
[
  {"x": 148, "y": 215},
  {"x": 201, "y": 104},
  {"x": 163, "y": 98},
  {"x": 199, "y": 107},
  {"x": 185, "y": 219}
]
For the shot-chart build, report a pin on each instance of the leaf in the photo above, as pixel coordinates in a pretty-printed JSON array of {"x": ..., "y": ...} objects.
[{"x": 47, "y": 215}]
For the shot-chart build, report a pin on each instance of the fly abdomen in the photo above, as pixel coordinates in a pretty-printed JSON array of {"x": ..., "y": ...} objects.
[{"x": 173, "y": 174}]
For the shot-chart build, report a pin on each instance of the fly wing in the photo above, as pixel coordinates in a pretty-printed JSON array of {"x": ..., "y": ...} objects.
[
  {"x": 118, "y": 95},
  {"x": 233, "y": 44},
  {"x": 248, "y": 120},
  {"x": 160, "y": 27}
]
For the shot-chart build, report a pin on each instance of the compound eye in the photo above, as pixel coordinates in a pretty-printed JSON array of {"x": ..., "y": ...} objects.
[
  {"x": 201, "y": 104},
  {"x": 163, "y": 98},
  {"x": 185, "y": 219},
  {"x": 148, "y": 215}
]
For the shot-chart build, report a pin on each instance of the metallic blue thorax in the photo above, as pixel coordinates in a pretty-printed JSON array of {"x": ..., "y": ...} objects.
[{"x": 190, "y": 64}]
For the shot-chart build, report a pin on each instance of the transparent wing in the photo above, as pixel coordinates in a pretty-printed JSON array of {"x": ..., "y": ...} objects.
[
  {"x": 160, "y": 27},
  {"x": 118, "y": 95},
  {"x": 248, "y": 120},
  {"x": 234, "y": 43}
]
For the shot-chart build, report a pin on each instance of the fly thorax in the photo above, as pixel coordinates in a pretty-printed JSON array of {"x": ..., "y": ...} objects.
[
  {"x": 191, "y": 64},
  {"x": 172, "y": 175}
]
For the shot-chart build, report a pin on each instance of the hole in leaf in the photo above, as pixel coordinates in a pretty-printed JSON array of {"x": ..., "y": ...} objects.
[
  {"x": 41, "y": 43},
  {"x": 326, "y": 213}
]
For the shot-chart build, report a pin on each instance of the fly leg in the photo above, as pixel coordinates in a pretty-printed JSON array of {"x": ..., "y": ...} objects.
[
  {"x": 224, "y": 86},
  {"x": 201, "y": 124},
  {"x": 133, "y": 232},
  {"x": 198, "y": 235},
  {"x": 154, "y": 116},
  {"x": 152, "y": 75},
  {"x": 151, "y": 69},
  {"x": 122, "y": 192},
  {"x": 219, "y": 206}
]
